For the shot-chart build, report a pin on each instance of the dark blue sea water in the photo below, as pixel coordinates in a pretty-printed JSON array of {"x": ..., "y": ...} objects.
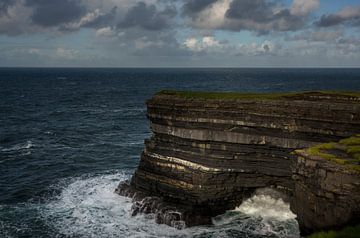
[{"x": 68, "y": 136}]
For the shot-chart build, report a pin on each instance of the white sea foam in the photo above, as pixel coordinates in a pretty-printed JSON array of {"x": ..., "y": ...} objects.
[
  {"x": 88, "y": 207},
  {"x": 264, "y": 214},
  {"x": 21, "y": 146},
  {"x": 266, "y": 207}
]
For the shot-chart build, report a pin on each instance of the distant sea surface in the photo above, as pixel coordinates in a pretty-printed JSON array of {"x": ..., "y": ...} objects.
[{"x": 69, "y": 136}]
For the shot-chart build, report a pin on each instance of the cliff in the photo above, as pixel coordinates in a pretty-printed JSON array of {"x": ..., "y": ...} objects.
[{"x": 209, "y": 151}]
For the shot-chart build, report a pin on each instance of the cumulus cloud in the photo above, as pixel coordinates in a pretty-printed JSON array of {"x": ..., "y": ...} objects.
[
  {"x": 67, "y": 53},
  {"x": 211, "y": 17},
  {"x": 206, "y": 43},
  {"x": 48, "y": 13},
  {"x": 165, "y": 29},
  {"x": 148, "y": 17},
  {"x": 15, "y": 20},
  {"x": 192, "y": 7},
  {"x": 348, "y": 15},
  {"x": 24, "y": 16},
  {"x": 95, "y": 19},
  {"x": 209, "y": 44},
  {"x": 105, "y": 32},
  {"x": 261, "y": 16},
  {"x": 254, "y": 49}
]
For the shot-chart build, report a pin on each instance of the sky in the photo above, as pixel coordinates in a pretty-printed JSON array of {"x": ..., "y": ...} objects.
[{"x": 179, "y": 33}]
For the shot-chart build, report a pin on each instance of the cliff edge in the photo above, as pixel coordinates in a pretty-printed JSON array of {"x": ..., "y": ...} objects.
[{"x": 210, "y": 151}]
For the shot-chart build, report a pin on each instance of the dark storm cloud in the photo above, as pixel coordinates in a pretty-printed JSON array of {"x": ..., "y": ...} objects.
[
  {"x": 346, "y": 16},
  {"x": 260, "y": 15},
  {"x": 192, "y": 7},
  {"x": 49, "y": 13},
  {"x": 148, "y": 17},
  {"x": 255, "y": 10}
]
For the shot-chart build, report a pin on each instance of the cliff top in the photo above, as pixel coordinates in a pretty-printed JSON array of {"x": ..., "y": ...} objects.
[
  {"x": 345, "y": 152},
  {"x": 310, "y": 96}
]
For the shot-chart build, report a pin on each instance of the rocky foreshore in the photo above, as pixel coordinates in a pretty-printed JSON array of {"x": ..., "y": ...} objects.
[{"x": 210, "y": 151}]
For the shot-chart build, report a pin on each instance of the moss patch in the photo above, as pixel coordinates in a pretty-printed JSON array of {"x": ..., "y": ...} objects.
[
  {"x": 345, "y": 152},
  {"x": 348, "y": 232},
  {"x": 253, "y": 96},
  {"x": 352, "y": 141}
]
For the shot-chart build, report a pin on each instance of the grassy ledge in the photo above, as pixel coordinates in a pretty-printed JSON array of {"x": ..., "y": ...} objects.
[
  {"x": 347, "y": 232},
  {"x": 260, "y": 96},
  {"x": 345, "y": 152}
]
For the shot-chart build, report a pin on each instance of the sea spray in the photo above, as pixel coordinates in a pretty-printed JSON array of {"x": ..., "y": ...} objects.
[{"x": 88, "y": 207}]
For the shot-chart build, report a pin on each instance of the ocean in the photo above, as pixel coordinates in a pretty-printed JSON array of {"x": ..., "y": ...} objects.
[{"x": 68, "y": 136}]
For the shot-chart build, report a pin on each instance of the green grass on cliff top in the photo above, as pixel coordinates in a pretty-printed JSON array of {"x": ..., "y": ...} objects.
[
  {"x": 239, "y": 95},
  {"x": 345, "y": 152},
  {"x": 348, "y": 232}
]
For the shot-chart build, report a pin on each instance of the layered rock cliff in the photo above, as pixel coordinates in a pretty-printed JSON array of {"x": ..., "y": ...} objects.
[{"x": 209, "y": 151}]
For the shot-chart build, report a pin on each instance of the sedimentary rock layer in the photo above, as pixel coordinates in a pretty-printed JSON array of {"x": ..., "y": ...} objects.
[{"x": 210, "y": 151}]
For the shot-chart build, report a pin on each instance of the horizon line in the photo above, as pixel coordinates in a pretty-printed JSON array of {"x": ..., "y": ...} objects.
[{"x": 180, "y": 67}]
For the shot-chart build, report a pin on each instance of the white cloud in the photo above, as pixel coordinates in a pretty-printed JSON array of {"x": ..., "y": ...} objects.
[
  {"x": 213, "y": 17},
  {"x": 253, "y": 49},
  {"x": 89, "y": 17},
  {"x": 206, "y": 43},
  {"x": 67, "y": 53},
  {"x": 192, "y": 44},
  {"x": 16, "y": 20},
  {"x": 209, "y": 41},
  {"x": 105, "y": 32}
]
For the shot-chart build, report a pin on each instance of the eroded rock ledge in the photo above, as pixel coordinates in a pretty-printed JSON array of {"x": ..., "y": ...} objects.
[{"x": 209, "y": 151}]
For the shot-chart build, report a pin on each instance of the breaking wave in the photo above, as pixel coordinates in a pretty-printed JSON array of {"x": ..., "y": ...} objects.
[
  {"x": 266, "y": 206},
  {"x": 88, "y": 207},
  {"x": 21, "y": 146},
  {"x": 265, "y": 214}
]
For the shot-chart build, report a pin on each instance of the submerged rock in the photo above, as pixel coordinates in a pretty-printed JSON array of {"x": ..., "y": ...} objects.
[{"x": 210, "y": 151}]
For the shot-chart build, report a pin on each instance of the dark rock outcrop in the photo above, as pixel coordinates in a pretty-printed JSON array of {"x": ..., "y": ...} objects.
[
  {"x": 210, "y": 151},
  {"x": 327, "y": 185}
]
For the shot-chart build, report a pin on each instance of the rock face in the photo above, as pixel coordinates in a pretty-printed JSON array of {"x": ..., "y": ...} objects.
[
  {"x": 209, "y": 151},
  {"x": 327, "y": 185}
]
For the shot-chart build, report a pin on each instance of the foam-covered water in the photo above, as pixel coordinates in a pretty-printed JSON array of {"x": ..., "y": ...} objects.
[
  {"x": 87, "y": 206},
  {"x": 68, "y": 136},
  {"x": 268, "y": 204}
]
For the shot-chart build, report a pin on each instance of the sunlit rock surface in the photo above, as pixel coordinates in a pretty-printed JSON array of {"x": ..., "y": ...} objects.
[{"x": 211, "y": 151}]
